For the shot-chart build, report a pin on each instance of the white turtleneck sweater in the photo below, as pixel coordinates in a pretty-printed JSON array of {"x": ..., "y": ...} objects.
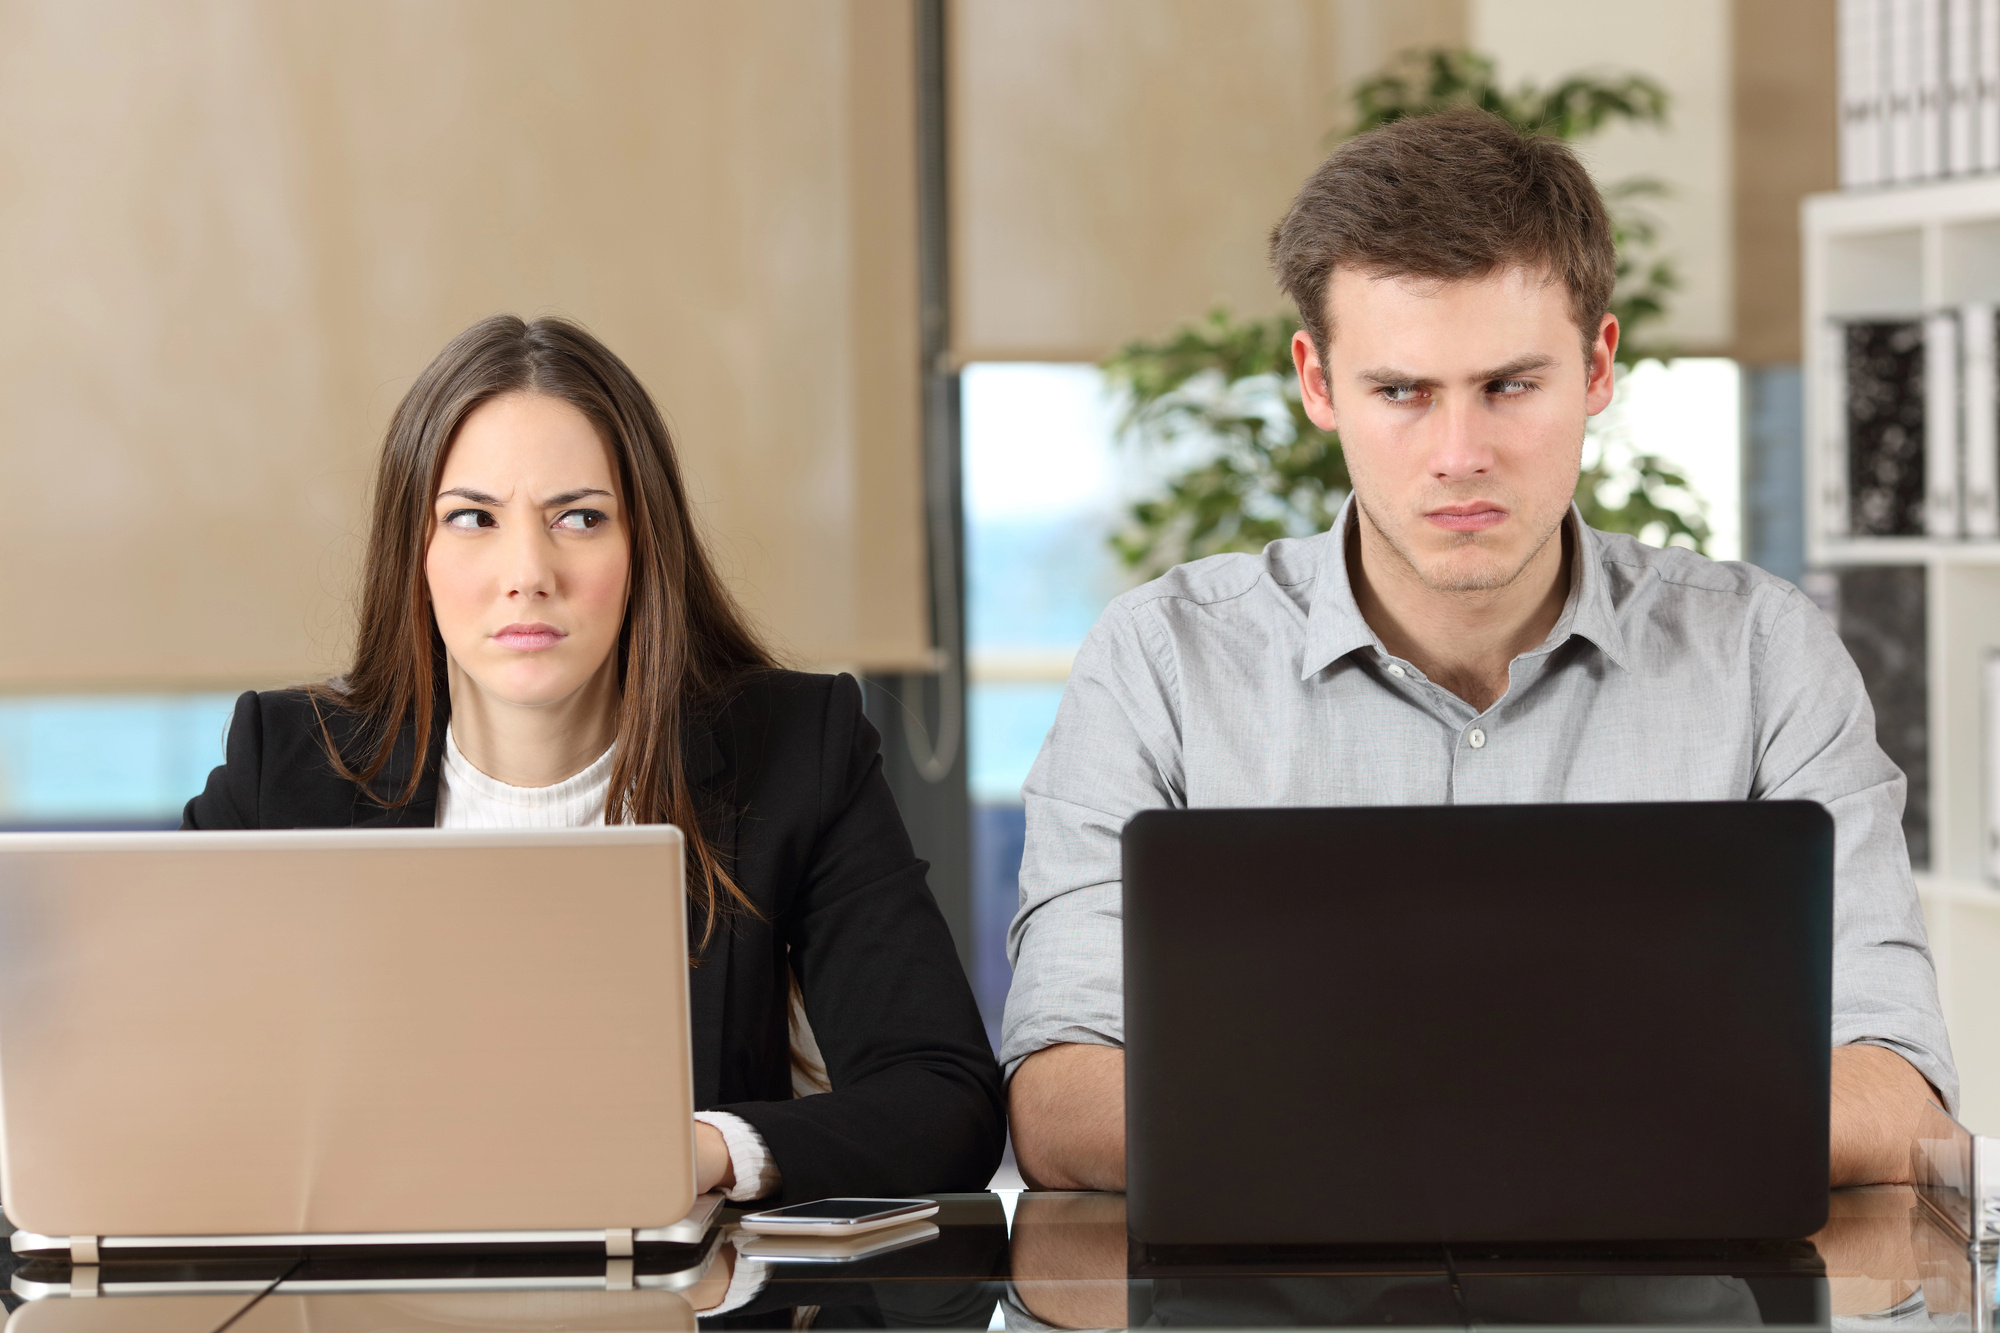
[{"x": 468, "y": 798}]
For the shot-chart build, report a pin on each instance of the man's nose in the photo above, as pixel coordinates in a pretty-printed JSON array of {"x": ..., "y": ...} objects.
[{"x": 1459, "y": 451}]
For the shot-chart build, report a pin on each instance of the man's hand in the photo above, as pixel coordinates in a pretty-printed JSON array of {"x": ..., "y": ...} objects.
[
  {"x": 1067, "y": 1108},
  {"x": 1878, "y": 1098}
]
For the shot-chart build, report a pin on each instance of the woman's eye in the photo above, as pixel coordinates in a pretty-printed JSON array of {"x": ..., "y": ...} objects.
[
  {"x": 469, "y": 519},
  {"x": 578, "y": 520}
]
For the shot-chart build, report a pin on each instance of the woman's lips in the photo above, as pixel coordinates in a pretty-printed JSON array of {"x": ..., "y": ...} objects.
[
  {"x": 529, "y": 638},
  {"x": 1467, "y": 518}
]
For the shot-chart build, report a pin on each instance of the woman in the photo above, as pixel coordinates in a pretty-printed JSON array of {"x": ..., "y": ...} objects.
[{"x": 543, "y": 642}]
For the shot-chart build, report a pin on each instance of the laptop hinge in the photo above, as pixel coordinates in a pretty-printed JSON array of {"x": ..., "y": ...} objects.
[
  {"x": 618, "y": 1243},
  {"x": 83, "y": 1249}
]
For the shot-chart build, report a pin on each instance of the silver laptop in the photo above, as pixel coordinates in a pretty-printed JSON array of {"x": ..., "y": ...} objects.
[{"x": 399, "y": 1036}]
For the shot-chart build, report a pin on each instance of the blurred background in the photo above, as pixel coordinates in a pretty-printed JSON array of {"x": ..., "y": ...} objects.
[{"x": 958, "y": 308}]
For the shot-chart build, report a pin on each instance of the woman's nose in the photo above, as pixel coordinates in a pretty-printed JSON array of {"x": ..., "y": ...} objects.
[{"x": 531, "y": 573}]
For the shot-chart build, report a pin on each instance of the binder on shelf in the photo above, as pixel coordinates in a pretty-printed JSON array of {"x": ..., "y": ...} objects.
[
  {"x": 1862, "y": 126},
  {"x": 1900, "y": 92},
  {"x": 1941, "y": 493},
  {"x": 1961, "y": 87},
  {"x": 1930, "y": 88},
  {"x": 1882, "y": 410},
  {"x": 1827, "y": 346},
  {"x": 1986, "y": 116},
  {"x": 1860, "y": 76},
  {"x": 1991, "y": 700},
  {"x": 1980, "y": 430}
]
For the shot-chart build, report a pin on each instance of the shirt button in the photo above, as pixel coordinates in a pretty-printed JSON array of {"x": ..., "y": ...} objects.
[
  {"x": 1478, "y": 738},
  {"x": 1395, "y": 671}
]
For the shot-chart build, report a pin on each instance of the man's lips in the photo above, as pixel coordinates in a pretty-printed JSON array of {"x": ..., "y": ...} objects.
[
  {"x": 529, "y": 638},
  {"x": 1474, "y": 517}
]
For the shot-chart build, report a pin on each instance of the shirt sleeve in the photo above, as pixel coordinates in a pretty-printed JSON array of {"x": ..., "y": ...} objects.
[
  {"x": 756, "y": 1170},
  {"x": 1817, "y": 742},
  {"x": 916, "y": 1103},
  {"x": 1113, "y": 751}
]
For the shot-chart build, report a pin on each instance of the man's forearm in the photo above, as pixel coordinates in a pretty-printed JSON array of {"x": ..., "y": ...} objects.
[
  {"x": 1067, "y": 1105},
  {"x": 1878, "y": 1099},
  {"x": 1067, "y": 1108}
]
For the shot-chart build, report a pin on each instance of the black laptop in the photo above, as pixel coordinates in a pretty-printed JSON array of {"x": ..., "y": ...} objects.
[{"x": 1486, "y": 1024}]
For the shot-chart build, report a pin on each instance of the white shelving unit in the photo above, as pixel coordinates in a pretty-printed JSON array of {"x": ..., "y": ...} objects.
[{"x": 1905, "y": 253}]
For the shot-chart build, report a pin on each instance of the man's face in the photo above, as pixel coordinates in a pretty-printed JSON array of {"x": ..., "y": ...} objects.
[{"x": 1460, "y": 407}]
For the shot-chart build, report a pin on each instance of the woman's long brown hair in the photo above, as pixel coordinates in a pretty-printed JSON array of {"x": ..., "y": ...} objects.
[{"x": 685, "y": 644}]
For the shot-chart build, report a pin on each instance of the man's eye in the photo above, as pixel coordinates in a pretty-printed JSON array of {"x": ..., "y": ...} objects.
[
  {"x": 579, "y": 520},
  {"x": 1400, "y": 393},
  {"x": 468, "y": 519},
  {"x": 1509, "y": 388}
]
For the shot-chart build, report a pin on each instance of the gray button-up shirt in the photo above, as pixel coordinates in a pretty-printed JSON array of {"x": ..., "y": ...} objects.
[{"x": 1252, "y": 680}]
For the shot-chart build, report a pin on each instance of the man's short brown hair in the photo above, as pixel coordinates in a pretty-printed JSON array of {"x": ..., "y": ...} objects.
[{"x": 1453, "y": 196}]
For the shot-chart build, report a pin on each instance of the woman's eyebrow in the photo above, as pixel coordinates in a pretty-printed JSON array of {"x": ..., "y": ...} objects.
[
  {"x": 467, "y": 493},
  {"x": 480, "y": 497},
  {"x": 571, "y": 497}
]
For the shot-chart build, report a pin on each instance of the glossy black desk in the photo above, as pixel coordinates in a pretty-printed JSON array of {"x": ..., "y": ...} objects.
[{"x": 1047, "y": 1260}]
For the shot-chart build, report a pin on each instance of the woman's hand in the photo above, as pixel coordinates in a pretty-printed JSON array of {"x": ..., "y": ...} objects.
[
  {"x": 713, "y": 1170},
  {"x": 713, "y": 1288}
]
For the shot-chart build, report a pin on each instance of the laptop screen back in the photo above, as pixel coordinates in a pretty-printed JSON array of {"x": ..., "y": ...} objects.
[
  {"x": 352, "y": 1031},
  {"x": 1501, "y": 1024}
]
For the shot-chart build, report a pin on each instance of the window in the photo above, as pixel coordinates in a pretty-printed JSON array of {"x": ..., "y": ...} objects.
[
  {"x": 107, "y": 761},
  {"x": 1043, "y": 489}
]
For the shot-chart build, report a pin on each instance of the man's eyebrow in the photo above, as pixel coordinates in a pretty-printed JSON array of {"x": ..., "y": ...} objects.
[
  {"x": 1520, "y": 365},
  {"x": 1399, "y": 378}
]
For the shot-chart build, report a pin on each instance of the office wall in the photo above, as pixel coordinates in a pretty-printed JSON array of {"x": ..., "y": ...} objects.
[
  {"x": 1787, "y": 147},
  {"x": 1118, "y": 164},
  {"x": 232, "y": 231},
  {"x": 1684, "y": 46}
]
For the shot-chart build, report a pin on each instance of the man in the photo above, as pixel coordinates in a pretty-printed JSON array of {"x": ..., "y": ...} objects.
[{"x": 1459, "y": 637}]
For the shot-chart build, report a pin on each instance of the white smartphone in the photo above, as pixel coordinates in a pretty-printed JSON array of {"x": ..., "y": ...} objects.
[
  {"x": 832, "y": 1249},
  {"x": 838, "y": 1217}
]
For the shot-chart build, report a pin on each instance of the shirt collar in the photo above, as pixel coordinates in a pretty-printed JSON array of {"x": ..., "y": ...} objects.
[
  {"x": 1335, "y": 627},
  {"x": 1590, "y": 612}
]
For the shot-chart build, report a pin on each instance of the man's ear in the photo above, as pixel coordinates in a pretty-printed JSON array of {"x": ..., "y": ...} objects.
[
  {"x": 1312, "y": 382},
  {"x": 1603, "y": 366}
]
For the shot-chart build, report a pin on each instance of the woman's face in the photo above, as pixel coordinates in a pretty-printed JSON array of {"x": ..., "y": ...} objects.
[{"x": 530, "y": 556}]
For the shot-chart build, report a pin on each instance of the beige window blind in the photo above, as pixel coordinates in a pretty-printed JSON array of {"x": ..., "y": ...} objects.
[
  {"x": 1118, "y": 164},
  {"x": 231, "y": 232}
]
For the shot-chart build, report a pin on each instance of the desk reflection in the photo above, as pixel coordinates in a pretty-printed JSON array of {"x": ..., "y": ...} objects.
[
  {"x": 1061, "y": 1261},
  {"x": 1878, "y": 1263},
  {"x": 365, "y": 1312}
]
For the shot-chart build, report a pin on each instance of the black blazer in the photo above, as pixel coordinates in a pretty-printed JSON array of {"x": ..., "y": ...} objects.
[{"x": 790, "y": 777}]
